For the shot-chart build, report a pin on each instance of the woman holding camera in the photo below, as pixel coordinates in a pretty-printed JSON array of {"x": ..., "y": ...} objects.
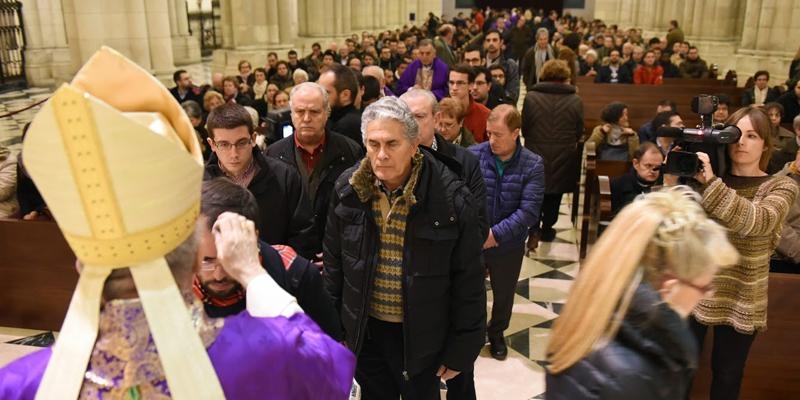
[
  {"x": 653, "y": 264},
  {"x": 753, "y": 206}
]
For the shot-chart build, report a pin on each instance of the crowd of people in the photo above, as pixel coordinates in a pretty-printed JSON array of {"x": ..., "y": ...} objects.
[{"x": 409, "y": 174}]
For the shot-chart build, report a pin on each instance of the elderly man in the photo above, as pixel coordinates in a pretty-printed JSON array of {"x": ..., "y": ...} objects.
[
  {"x": 423, "y": 106},
  {"x": 514, "y": 179},
  {"x": 427, "y": 72},
  {"x": 402, "y": 262},
  {"x": 535, "y": 58},
  {"x": 318, "y": 154},
  {"x": 285, "y": 209}
]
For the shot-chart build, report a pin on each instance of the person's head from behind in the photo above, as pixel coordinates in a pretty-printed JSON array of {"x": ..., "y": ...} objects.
[
  {"x": 503, "y": 128},
  {"x": 449, "y": 118},
  {"x": 663, "y": 240},
  {"x": 754, "y": 148},
  {"x": 555, "y": 71},
  {"x": 220, "y": 195},
  {"x": 615, "y": 113},
  {"x": 666, "y": 105},
  {"x": 647, "y": 160},
  {"x": 231, "y": 137},
  {"x": 391, "y": 135},
  {"x": 670, "y": 119}
]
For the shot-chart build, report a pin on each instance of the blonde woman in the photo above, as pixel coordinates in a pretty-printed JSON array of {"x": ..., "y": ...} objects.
[{"x": 623, "y": 331}]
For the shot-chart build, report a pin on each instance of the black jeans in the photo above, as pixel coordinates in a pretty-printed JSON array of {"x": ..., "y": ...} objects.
[
  {"x": 462, "y": 387},
  {"x": 379, "y": 369},
  {"x": 504, "y": 265},
  {"x": 549, "y": 212},
  {"x": 728, "y": 357}
]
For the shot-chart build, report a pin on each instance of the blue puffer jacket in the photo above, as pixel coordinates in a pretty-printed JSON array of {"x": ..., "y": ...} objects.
[{"x": 513, "y": 201}]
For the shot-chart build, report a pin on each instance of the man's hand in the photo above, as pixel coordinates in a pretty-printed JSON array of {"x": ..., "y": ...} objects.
[
  {"x": 237, "y": 247},
  {"x": 490, "y": 242},
  {"x": 446, "y": 373}
]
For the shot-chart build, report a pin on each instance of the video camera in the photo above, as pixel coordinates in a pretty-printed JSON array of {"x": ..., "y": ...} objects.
[
  {"x": 278, "y": 125},
  {"x": 707, "y": 138}
]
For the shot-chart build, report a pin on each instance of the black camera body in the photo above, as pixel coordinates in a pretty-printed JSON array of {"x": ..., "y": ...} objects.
[
  {"x": 278, "y": 125},
  {"x": 707, "y": 137}
]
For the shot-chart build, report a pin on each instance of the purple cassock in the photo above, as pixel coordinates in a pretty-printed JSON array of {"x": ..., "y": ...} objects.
[
  {"x": 439, "y": 84},
  {"x": 254, "y": 358}
]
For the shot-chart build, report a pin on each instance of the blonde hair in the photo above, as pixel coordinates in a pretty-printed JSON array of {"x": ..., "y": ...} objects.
[{"x": 665, "y": 232}]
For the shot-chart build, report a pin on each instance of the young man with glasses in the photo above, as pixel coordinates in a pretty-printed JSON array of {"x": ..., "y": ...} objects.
[
  {"x": 284, "y": 206},
  {"x": 645, "y": 173},
  {"x": 462, "y": 76}
]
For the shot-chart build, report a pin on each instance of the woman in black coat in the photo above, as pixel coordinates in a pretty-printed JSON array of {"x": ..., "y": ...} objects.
[
  {"x": 623, "y": 332},
  {"x": 552, "y": 125}
]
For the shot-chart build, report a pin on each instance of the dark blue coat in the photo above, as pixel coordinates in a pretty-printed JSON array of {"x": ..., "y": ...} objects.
[{"x": 513, "y": 201}]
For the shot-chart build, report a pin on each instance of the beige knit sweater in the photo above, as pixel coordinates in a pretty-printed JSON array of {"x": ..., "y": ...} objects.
[{"x": 753, "y": 209}]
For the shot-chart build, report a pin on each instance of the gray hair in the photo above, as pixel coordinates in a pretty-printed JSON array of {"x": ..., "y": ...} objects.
[
  {"x": 389, "y": 108},
  {"x": 542, "y": 32},
  {"x": 312, "y": 86},
  {"x": 376, "y": 71},
  {"x": 192, "y": 109},
  {"x": 796, "y": 123},
  {"x": 415, "y": 93},
  {"x": 299, "y": 72}
]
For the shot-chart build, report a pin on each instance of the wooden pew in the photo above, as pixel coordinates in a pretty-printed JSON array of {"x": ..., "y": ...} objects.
[
  {"x": 39, "y": 276},
  {"x": 597, "y": 195},
  {"x": 642, "y": 99},
  {"x": 772, "y": 370}
]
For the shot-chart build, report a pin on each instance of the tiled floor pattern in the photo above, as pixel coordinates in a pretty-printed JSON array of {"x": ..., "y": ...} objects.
[{"x": 542, "y": 289}]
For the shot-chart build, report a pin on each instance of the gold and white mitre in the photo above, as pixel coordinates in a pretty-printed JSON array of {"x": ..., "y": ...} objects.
[{"x": 117, "y": 162}]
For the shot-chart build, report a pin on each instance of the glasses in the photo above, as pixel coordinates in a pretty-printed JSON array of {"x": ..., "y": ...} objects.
[
  {"x": 209, "y": 264},
  {"x": 705, "y": 290},
  {"x": 240, "y": 145},
  {"x": 457, "y": 83}
]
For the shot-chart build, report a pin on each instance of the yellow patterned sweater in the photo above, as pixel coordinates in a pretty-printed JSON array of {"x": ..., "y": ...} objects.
[{"x": 753, "y": 210}]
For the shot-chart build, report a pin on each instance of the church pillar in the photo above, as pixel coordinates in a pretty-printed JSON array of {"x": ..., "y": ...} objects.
[
  {"x": 765, "y": 44},
  {"x": 185, "y": 47},
  {"x": 47, "y": 57}
]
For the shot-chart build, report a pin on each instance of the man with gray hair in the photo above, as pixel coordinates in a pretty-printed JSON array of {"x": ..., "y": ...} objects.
[
  {"x": 536, "y": 57},
  {"x": 402, "y": 262},
  {"x": 318, "y": 154}
]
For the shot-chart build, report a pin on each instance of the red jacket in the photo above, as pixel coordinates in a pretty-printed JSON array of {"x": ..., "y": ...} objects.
[{"x": 648, "y": 75}]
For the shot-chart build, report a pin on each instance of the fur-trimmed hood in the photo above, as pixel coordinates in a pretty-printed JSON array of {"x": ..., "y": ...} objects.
[{"x": 365, "y": 184}]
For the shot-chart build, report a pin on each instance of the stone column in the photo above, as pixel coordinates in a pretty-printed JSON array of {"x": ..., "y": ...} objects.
[
  {"x": 48, "y": 61},
  {"x": 185, "y": 47},
  {"x": 159, "y": 38},
  {"x": 608, "y": 10},
  {"x": 766, "y": 39},
  {"x": 251, "y": 29}
]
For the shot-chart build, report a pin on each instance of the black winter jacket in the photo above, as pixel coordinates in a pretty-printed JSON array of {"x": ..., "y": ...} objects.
[
  {"x": 444, "y": 295},
  {"x": 340, "y": 153},
  {"x": 653, "y": 357},
  {"x": 283, "y": 205}
]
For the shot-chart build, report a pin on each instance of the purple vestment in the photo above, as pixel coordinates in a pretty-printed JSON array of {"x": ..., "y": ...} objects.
[
  {"x": 254, "y": 358},
  {"x": 439, "y": 86}
]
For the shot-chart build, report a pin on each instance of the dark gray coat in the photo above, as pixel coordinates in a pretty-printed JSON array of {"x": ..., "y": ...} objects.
[{"x": 552, "y": 125}]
